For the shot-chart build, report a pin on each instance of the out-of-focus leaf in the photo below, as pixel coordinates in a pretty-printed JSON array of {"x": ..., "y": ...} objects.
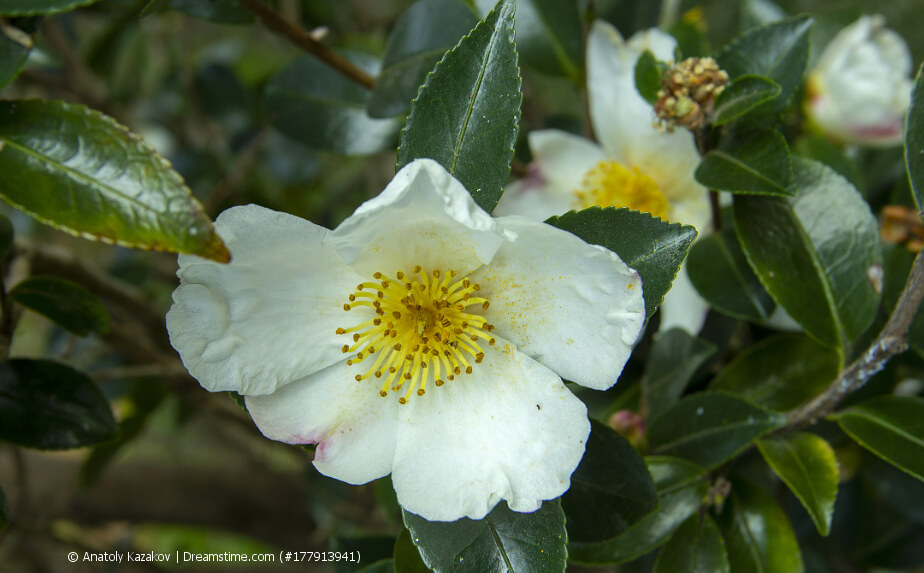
[
  {"x": 610, "y": 490},
  {"x": 914, "y": 141},
  {"x": 742, "y": 95},
  {"x": 654, "y": 248},
  {"x": 153, "y": 6},
  {"x": 221, "y": 11},
  {"x": 503, "y": 541},
  {"x": 820, "y": 148},
  {"x": 15, "y": 46},
  {"x": 689, "y": 32},
  {"x": 68, "y": 304},
  {"x": 6, "y": 236},
  {"x": 648, "y": 71},
  {"x": 675, "y": 356},
  {"x": 81, "y": 172},
  {"x": 407, "y": 558},
  {"x": 681, "y": 488},
  {"x": 31, "y": 7},
  {"x": 697, "y": 547},
  {"x": 780, "y": 372},
  {"x": 757, "y": 532},
  {"x": 754, "y": 163},
  {"x": 806, "y": 463},
  {"x": 817, "y": 254},
  {"x": 467, "y": 114},
  {"x": 899, "y": 490},
  {"x": 892, "y": 427},
  {"x": 51, "y": 406},
  {"x": 312, "y": 103},
  {"x": 756, "y": 13},
  {"x": 711, "y": 427}
]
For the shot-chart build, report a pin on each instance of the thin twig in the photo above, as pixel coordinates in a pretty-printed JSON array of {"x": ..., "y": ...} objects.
[{"x": 303, "y": 39}]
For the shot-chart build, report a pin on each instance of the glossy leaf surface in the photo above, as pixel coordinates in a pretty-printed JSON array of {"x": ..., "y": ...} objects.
[
  {"x": 914, "y": 141},
  {"x": 892, "y": 427},
  {"x": 697, "y": 547},
  {"x": 66, "y": 303},
  {"x": 756, "y": 162},
  {"x": 743, "y": 95},
  {"x": 675, "y": 357}
]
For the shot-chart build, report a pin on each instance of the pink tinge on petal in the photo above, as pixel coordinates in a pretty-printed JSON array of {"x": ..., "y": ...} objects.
[{"x": 893, "y": 129}]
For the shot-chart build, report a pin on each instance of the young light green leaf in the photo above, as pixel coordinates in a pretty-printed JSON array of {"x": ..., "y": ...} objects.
[
  {"x": 220, "y": 11},
  {"x": 892, "y": 427},
  {"x": 51, "y": 406},
  {"x": 33, "y": 7},
  {"x": 407, "y": 558},
  {"x": 15, "y": 46},
  {"x": 654, "y": 248},
  {"x": 610, "y": 491},
  {"x": 806, "y": 463},
  {"x": 81, "y": 172},
  {"x": 711, "y": 427},
  {"x": 817, "y": 254},
  {"x": 675, "y": 356},
  {"x": 741, "y": 96},
  {"x": 681, "y": 488},
  {"x": 648, "y": 71},
  {"x": 697, "y": 547},
  {"x": 914, "y": 141},
  {"x": 504, "y": 541},
  {"x": 780, "y": 372},
  {"x": 68, "y": 304},
  {"x": 754, "y": 162},
  {"x": 467, "y": 114}
]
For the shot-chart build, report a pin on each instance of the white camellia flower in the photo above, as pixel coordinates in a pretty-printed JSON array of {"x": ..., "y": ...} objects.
[
  {"x": 860, "y": 89},
  {"x": 421, "y": 338},
  {"x": 635, "y": 165}
]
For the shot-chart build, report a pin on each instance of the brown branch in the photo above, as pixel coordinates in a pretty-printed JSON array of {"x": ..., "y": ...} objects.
[{"x": 305, "y": 41}]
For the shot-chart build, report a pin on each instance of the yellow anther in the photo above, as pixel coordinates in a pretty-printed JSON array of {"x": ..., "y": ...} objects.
[{"x": 611, "y": 184}]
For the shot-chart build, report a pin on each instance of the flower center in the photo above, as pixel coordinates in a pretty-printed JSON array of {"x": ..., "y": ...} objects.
[
  {"x": 611, "y": 184},
  {"x": 422, "y": 329}
]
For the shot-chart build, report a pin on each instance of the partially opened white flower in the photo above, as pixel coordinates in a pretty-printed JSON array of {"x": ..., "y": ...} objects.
[
  {"x": 421, "y": 338},
  {"x": 860, "y": 89},
  {"x": 635, "y": 165}
]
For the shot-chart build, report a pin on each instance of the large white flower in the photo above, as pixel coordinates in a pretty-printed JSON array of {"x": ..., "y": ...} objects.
[
  {"x": 860, "y": 89},
  {"x": 634, "y": 165},
  {"x": 421, "y": 338}
]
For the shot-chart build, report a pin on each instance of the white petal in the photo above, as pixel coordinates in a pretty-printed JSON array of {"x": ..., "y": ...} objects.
[
  {"x": 574, "y": 307},
  {"x": 270, "y": 315},
  {"x": 423, "y": 217},
  {"x": 355, "y": 428},
  {"x": 532, "y": 197},
  {"x": 682, "y": 306},
  {"x": 659, "y": 43},
  {"x": 510, "y": 430},
  {"x": 563, "y": 159}
]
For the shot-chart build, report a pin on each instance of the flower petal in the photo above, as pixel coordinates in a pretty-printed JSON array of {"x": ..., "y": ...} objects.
[
  {"x": 510, "y": 430},
  {"x": 682, "y": 306},
  {"x": 269, "y": 316},
  {"x": 423, "y": 217},
  {"x": 574, "y": 307}
]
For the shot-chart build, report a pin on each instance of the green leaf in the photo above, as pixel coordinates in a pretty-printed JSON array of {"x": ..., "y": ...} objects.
[
  {"x": 755, "y": 162},
  {"x": 741, "y": 96},
  {"x": 697, "y": 547},
  {"x": 654, "y": 248},
  {"x": 778, "y": 51},
  {"x": 419, "y": 39},
  {"x": 817, "y": 254},
  {"x": 51, "y": 406},
  {"x": 503, "y": 541},
  {"x": 681, "y": 488},
  {"x": 4, "y": 511},
  {"x": 466, "y": 116},
  {"x": 153, "y": 7},
  {"x": 806, "y": 463},
  {"x": 711, "y": 427},
  {"x": 648, "y": 71},
  {"x": 220, "y": 11},
  {"x": 780, "y": 372},
  {"x": 6, "y": 237},
  {"x": 68, "y": 304},
  {"x": 914, "y": 141},
  {"x": 81, "y": 172},
  {"x": 30, "y": 7},
  {"x": 820, "y": 148},
  {"x": 550, "y": 37},
  {"x": 675, "y": 356},
  {"x": 407, "y": 558},
  {"x": 757, "y": 532},
  {"x": 897, "y": 263},
  {"x": 15, "y": 46},
  {"x": 900, "y": 491},
  {"x": 892, "y": 427},
  {"x": 312, "y": 103},
  {"x": 610, "y": 491}
]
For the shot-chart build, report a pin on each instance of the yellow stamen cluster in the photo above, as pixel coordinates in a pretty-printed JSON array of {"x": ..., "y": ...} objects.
[
  {"x": 688, "y": 92},
  {"x": 611, "y": 184},
  {"x": 422, "y": 328}
]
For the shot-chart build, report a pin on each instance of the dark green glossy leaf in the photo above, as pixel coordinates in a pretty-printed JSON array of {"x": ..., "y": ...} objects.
[
  {"x": 648, "y": 72},
  {"x": 720, "y": 272},
  {"x": 757, "y": 532},
  {"x": 817, "y": 254},
  {"x": 654, "y": 248},
  {"x": 407, "y": 558},
  {"x": 892, "y": 427},
  {"x": 806, "y": 463},
  {"x": 754, "y": 162},
  {"x": 466, "y": 116},
  {"x": 29, "y": 7},
  {"x": 711, "y": 427},
  {"x": 311, "y": 102},
  {"x": 741, "y": 96},
  {"x": 697, "y": 547},
  {"x": 221, "y": 11},
  {"x": 80, "y": 171},
  {"x": 610, "y": 491},
  {"x": 780, "y": 372},
  {"x": 675, "y": 356},
  {"x": 68, "y": 304},
  {"x": 503, "y": 541},
  {"x": 419, "y": 39},
  {"x": 6, "y": 237},
  {"x": 778, "y": 51},
  {"x": 4, "y": 511},
  {"x": 51, "y": 406},
  {"x": 15, "y": 46},
  {"x": 681, "y": 488},
  {"x": 914, "y": 141}
]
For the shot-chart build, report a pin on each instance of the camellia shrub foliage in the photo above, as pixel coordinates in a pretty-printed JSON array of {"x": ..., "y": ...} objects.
[{"x": 451, "y": 285}]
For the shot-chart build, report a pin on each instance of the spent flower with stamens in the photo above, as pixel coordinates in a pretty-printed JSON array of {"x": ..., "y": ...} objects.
[{"x": 688, "y": 92}]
